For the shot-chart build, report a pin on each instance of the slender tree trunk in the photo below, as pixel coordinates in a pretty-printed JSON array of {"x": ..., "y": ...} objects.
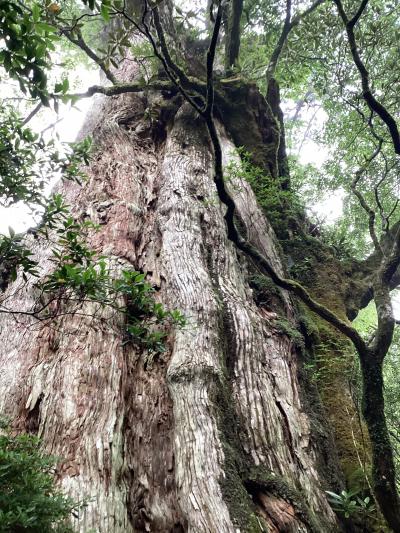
[{"x": 213, "y": 434}]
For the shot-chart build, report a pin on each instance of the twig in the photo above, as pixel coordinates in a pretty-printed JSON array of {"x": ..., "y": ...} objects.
[
  {"x": 370, "y": 99},
  {"x": 80, "y": 42},
  {"x": 34, "y": 111},
  {"x": 288, "y": 26}
]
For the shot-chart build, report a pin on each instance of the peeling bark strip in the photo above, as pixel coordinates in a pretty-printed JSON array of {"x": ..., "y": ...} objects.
[{"x": 172, "y": 444}]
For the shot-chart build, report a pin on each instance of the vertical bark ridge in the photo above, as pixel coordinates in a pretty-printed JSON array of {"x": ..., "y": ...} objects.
[
  {"x": 195, "y": 367},
  {"x": 268, "y": 361},
  {"x": 144, "y": 438}
]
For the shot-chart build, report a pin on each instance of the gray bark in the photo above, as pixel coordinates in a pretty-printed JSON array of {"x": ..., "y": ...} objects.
[{"x": 198, "y": 438}]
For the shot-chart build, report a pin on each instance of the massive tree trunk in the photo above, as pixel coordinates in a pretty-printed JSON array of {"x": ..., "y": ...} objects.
[{"x": 215, "y": 434}]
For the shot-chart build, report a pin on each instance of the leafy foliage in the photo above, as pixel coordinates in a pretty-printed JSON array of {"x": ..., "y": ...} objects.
[
  {"x": 29, "y": 499},
  {"x": 27, "y": 162},
  {"x": 80, "y": 275},
  {"x": 27, "y": 42},
  {"x": 15, "y": 255},
  {"x": 349, "y": 504}
]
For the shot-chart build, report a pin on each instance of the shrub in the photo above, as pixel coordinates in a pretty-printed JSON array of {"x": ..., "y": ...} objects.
[{"x": 29, "y": 499}]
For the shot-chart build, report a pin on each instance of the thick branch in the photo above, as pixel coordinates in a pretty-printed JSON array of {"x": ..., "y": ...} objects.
[
  {"x": 358, "y": 14},
  {"x": 165, "y": 52},
  {"x": 34, "y": 111},
  {"x": 208, "y": 109},
  {"x": 392, "y": 263},
  {"x": 370, "y": 212},
  {"x": 122, "y": 88},
  {"x": 281, "y": 41},
  {"x": 232, "y": 44},
  {"x": 384, "y": 333}
]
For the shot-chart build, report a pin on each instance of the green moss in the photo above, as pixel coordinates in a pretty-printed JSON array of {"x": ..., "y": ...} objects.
[
  {"x": 259, "y": 138},
  {"x": 308, "y": 327},
  {"x": 286, "y": 327},
  {"x": 239, "y": 501},
  {"x": 259, "y": 479},
  {"x": 266, "y": 293},
  {"x": 330, "y": 366},
  {"x": 243, "y": 481},
  {"x": 264, "y": 285}
]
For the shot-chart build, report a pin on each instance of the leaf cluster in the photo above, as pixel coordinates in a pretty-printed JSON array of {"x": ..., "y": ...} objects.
[
  {"x": 29, "y": 499},
  {"x": 28, "y": 162},
  {"x": 79, "y": 274},
  {"x": 349, "y": 504},
  {"x": 27, "y": 42}
]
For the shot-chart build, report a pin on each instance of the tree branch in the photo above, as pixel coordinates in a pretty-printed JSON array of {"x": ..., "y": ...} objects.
[
  {"x": 352, "y": 22},
  {"x": 232, "y": 44},
  {"x": 79, "y": 41},
  {"x": 370, "y": 212},
  {"x": 393, "y": 260},
  {"x": 384, "y": 332},
  {"x": 163, "y": 45},
  {"x": 209, "y": 105},
  {"x": 34, "y": 111},
  {"x": 122, "y": 88},
  {"x": 286, "y": 29},
  {"x": 369, "y": 98},
  {"x": 281, "y": 41}
]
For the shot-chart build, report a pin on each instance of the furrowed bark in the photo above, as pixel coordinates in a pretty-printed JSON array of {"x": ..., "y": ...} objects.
[{"x": 212, "y": 434}]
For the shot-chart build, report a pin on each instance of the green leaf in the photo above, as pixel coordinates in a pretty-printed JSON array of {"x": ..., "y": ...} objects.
[
  {"x": 35, "y": 13},
  {"x": 65, "y": 85},
  {"x": 105, "y": 12},
  {"x": 45, "y": 28}
]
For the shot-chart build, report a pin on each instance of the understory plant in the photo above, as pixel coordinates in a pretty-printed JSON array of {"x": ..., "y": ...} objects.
[{"x": 29, "y": 499}]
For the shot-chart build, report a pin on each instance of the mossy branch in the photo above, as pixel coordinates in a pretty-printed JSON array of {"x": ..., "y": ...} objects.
[{"x": 123, "y": 88}]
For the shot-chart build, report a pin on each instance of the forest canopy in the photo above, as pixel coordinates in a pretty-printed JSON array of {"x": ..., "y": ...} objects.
[{"x": 325, "y": 71}]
